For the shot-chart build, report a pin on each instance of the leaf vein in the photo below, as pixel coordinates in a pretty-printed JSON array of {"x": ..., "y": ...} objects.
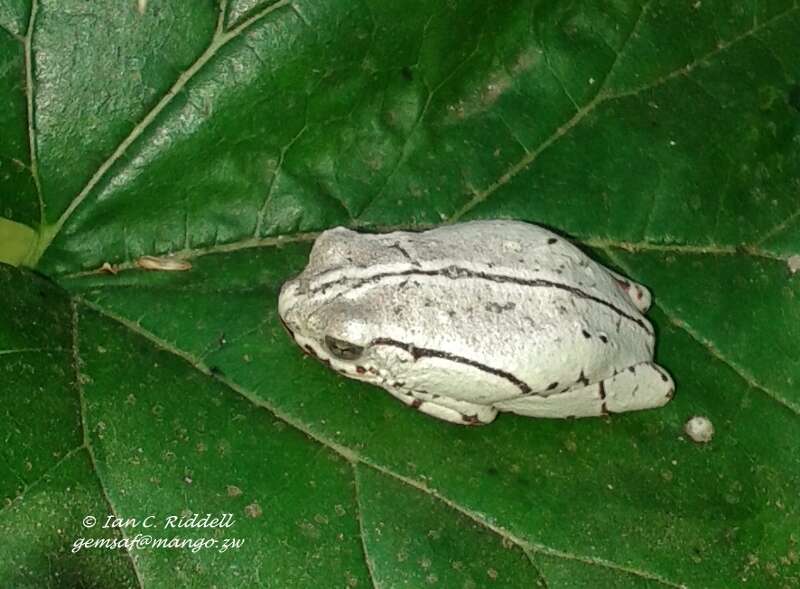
[
  {"x": 33, "y": 484},
  {"x": 510, "y": 536},
  {"x": 86, "y": 437},
  {"x": 530, "y": 554},
  {"x": 686, "y": 69},
  {"x": 14, "y": 35},
  {"x": 601, "y": 97},
  {"x": 712, "y": 349},
  {"x": 423, "y": 112},
  {"x": 779, "y": 228},
  {"x": 29, "y": 350},
  {"x": 218, "y": 41},
  {"x": 278, "y": 170},
  {"x": 360, "y": 517},
  {"x": 29, "y": 90},
  {"x": 355, "y": 458}
]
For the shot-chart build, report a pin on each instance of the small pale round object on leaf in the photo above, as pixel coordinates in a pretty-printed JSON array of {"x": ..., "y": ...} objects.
[
  {"x": 699, "y": 429},
  {"x": 793, "y": 263}
]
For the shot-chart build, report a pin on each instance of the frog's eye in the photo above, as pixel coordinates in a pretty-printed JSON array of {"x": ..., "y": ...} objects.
[{"x": 342, "y": 349}]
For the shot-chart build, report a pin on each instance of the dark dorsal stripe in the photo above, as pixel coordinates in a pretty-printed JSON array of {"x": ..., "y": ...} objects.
[
  {"x": 457, "y": 272},
  {"x": 417, "y": 353}
]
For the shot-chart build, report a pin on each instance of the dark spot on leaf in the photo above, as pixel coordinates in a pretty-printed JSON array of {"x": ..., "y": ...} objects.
[
  {"x": 416, "y": 403},
  {"x": 586, "y": 334},
  {"x": 408, "y": 74},
  {"x": 216, "y": 371},
  {"x": 794, "y": 97},
  {"x": 552, "y": 385},
  {"x": 603, "y": 339},
  {"x": 552, "y": 240},
  {"x": 491, "y": 470},
  {"x": 362, "y": 370}
]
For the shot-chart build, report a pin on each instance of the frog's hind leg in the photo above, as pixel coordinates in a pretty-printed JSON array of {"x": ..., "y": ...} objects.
[
  {"x": 459, "y": 412},
  {"x": 586, "y": 401},
  {"x": 639, "y": 295},
  {"x": 642, "y": 386}
]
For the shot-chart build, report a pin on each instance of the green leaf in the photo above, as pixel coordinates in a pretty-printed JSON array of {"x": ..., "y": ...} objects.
[{"x": 663, "y": 137}]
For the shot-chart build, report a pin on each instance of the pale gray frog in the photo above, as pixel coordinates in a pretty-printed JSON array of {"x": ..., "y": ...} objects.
[{"x": 466, "y": 320}]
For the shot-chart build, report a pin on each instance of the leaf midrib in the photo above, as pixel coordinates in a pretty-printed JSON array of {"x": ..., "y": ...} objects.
[{"x": 744, "y": 250}]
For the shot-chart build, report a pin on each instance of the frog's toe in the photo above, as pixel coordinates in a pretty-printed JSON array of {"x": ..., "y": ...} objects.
[
  {"x": 452, "y": 410},
  {"x": 639, "y": 295},
  {"x": 477, "y": 415},
  {"x": 642, "y": 386}
]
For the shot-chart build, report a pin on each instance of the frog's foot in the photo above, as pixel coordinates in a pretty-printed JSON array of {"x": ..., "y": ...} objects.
[
  {"x": 643, "y": 386},
  {"x": 638, "y": 294},
  {"x": 459, "y": 412}
]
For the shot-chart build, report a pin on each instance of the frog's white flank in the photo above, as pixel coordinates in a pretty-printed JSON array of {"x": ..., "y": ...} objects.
[{"x": 466, "y": 320}]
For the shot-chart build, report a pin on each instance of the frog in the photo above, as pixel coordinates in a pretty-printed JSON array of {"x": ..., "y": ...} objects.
[{"x": 467, "y": 320}]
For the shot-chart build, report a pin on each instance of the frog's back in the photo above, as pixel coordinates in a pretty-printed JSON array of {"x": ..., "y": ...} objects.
[
  {"x": 513, "y": 295},
  {"x": 510, "y": 248}
]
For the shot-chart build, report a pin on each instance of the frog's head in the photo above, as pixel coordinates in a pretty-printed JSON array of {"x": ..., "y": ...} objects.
[
  {"x": 334, "y": 331},
  {"x": 325, "y": 318}
]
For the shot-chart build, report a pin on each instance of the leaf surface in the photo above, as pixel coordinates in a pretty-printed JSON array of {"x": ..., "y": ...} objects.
[{"x": 662, "y": 137}]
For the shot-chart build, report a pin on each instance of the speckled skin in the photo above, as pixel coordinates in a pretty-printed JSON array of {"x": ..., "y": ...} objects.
[{"x": 467, "y": 320}]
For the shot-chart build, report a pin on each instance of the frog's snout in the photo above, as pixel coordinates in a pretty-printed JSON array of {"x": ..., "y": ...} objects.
[{"x": 287, "y": 299}]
